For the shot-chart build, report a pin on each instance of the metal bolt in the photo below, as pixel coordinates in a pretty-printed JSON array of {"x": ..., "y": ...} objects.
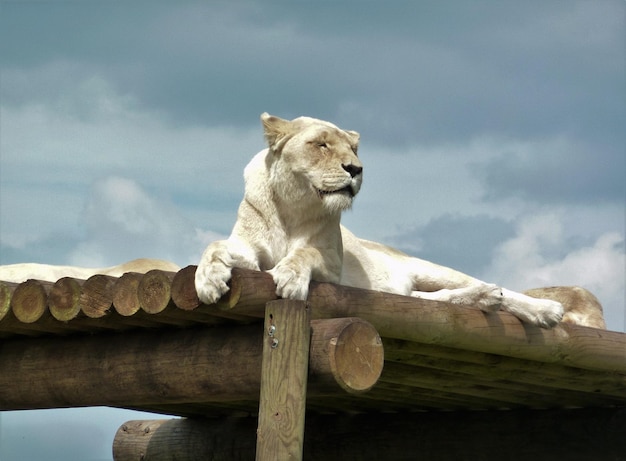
[
  {"x": 271, "y": 330},
  {"x": 274, "y": 343}
]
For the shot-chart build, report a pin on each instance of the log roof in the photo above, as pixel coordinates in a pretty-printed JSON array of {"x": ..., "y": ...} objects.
[{"x": 437, "y": 356}]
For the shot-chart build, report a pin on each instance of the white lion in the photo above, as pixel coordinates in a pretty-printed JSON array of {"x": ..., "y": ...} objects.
[{"x": 289, "y": 225}]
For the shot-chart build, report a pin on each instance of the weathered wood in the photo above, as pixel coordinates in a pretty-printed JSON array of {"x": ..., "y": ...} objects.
[
  {"x": 552, "y": 378},
  {"x": 96, "y": 297},
  {"x": 144, "y": 368},
  {"x": 280, "y": 434},
  {"x": 6, "y": 292},
  {"x": 125, "y": 298},
  {"x": 64, "y": 299},
  {"x": 29, "y": 301},
  {"x": 350, "y": 350},
  {"x": 249, "y": 290},
  {"x": 485, "y": 391},
  {"x": 184, "y": 296},
  {"x": 183, "y": 289},
  {"x": 449, "y": 325},
  {"x": 540, "y": 435},
  {"x": 186, "y": 440},
  {"x": 154, "y": 292}
]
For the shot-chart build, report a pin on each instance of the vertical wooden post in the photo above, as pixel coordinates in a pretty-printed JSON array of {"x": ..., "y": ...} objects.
[{"x": 280, "y": 433}]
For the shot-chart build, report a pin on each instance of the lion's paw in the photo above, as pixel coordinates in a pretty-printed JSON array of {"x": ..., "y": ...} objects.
[
  {"x": 549, "y": 313},
  {"x": 489, "y": 297},
  {"x": 486, "y": 296},
  {"x": 211, "y": 281},
  {"x": 290, "y": 284}
]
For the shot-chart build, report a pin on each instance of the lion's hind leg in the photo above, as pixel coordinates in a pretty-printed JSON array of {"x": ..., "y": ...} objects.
[
  {"x": 486, "y": 296},
  {"x": 432, "y": 281}
]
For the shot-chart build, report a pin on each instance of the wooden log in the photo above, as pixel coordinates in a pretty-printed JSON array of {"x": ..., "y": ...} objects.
[
  {"x": 154, "y": 291},
  {"x": 249, "y": 290},
  {"x": 444, "y": 324},
  {"x": 30, "y": 301},
  {"x": 186, "y": 440},
  {"x": 551, "y": 377},
  {"x": 348, "y": 350},
  {"x": 64, "y": 299},
  {"x": 147, "y": 368},
  {"x": 540, "y": 435},
  {"x": 96, "y": 297},
  {"x": 282, "y": 405},
  {"x": 6, "y": 292},
  {"x": 183, "y": 290},
  {"x": 184, "y": 296},
  {"x": 125, "y": 298}
]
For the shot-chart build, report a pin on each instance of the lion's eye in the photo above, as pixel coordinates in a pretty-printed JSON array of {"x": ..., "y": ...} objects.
[
  {"x": 354, "y": 149},
  {"x": 322, "y": 144}
]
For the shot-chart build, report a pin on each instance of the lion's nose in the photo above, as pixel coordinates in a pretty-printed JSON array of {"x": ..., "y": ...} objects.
[{"x": 352, "y": 169}]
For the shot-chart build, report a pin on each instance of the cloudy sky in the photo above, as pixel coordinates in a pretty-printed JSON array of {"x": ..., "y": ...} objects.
[{"x": 492, "y": 134}]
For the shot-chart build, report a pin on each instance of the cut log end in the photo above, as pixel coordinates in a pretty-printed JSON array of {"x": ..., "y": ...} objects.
[
  {"x": 6, "y": 292},
  {"x": 125, "y": 298},
  {"x": 183, "y": 289},
  {"x": 96, "y": 298},
  {"x": 29, "y": 301},
  {"x": 353, "y": 352},
  {"x": 63, "y": 300},
  {"x": 154, "y": 292}
]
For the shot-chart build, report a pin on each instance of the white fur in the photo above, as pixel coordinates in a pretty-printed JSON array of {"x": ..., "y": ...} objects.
[
  {"x": 18, "y": 273},
  {"x": 289, "y": 225}
]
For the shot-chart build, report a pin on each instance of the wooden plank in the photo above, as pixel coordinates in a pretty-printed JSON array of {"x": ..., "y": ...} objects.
[
  {"x": 280, "y": 433},
  {"x": 540, "y": 435}
]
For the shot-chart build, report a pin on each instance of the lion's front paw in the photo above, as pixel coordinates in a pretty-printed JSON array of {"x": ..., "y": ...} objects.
[
  {"x": 290, "y": 284},
  {"x": 549, "y": 313},
  {"x": 211, "y": 279}
]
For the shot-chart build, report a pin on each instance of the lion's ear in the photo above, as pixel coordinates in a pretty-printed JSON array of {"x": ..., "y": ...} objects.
[
  {"x": 275, "y": 128},
  {"x": 354, "y": 135}
]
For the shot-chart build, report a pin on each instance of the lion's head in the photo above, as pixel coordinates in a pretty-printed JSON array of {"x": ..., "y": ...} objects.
[{"x": 312, "y": 163}]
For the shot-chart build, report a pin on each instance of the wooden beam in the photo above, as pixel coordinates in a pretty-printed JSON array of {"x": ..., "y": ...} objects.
[
  {"x": 540, "y": 435},
  {"x": 152, "y": 368},
  {"x": 280, "y": 433},
  {"x": 443, "y": 324}
]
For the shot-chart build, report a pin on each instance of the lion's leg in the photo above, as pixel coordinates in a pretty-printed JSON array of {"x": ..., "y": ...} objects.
[
  {"x": 215, "y": 267},
  {"x": 431, "y": 281},
  {"x": 544, "y": 313},
  {"x": 488, "y": 297}
]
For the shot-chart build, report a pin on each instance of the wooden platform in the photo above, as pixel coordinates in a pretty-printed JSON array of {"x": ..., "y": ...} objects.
[{"x": 145, "y": 342}]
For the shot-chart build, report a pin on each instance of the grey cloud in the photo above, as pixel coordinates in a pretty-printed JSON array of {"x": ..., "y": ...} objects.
[
  {"x": 464, "y": 243},
  {"x": 411, "y": 72},
  {"x": 581, "y": 174}
]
